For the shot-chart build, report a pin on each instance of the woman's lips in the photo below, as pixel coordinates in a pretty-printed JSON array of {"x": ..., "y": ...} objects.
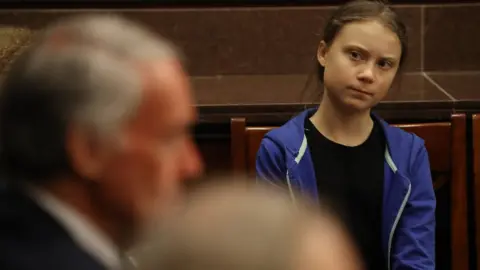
[{"x": 360, "y": 91}]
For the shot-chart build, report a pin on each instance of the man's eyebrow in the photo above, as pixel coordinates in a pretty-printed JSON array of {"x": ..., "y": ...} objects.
[{"x": 58, "y": 39}]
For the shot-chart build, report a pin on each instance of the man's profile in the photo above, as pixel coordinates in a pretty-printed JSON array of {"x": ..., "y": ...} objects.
[{"x": 94, "y": 141}]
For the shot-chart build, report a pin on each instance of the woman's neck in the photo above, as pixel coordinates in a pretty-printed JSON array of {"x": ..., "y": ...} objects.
[{"x": 346, "y": 128}]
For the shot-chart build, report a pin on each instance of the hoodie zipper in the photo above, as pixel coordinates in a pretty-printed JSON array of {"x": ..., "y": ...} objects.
[
  {"x": 395, "y": 223},
  {"x": 392, "y": 166},
  {"x": 290, "y": 189}
]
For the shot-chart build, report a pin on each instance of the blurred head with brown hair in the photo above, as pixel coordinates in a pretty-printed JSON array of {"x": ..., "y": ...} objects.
[{"x": 248, "y": 228}]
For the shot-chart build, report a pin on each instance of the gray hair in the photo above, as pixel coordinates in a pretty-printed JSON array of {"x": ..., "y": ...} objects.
[
  {"x": 231, "y": 227},
  {"x": 82, "y": 70}
]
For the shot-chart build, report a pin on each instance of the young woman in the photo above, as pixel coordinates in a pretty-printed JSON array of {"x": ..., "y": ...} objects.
[{"x": 377, "y": 175}]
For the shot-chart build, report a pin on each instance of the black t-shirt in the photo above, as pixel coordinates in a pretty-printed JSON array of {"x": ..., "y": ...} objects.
[{"x": 351, "y": 180}]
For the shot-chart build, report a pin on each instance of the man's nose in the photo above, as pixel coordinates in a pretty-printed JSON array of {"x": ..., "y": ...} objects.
[{"x": 192, "y": 162}]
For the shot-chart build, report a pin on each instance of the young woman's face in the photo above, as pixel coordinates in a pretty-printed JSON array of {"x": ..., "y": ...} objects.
[{"x": 360, "y": 64}]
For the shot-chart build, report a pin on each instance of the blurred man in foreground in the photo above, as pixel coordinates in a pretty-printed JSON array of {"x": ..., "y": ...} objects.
[
  {"x": 248, "y": 228},
  {"x": 94, "y": 139}
]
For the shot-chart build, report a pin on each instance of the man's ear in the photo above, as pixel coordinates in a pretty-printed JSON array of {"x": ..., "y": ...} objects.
[
  {"x": 322, "y": 52},
  {"x": 86, "y": 154}
]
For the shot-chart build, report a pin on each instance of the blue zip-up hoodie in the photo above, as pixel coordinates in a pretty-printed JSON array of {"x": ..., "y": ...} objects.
[{"x": 408, "y": 223}]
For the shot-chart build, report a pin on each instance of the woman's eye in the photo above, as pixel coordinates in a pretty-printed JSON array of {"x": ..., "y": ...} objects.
[
  {"x": 385, "y": 64},
  {"x": 355, "y": 55}
]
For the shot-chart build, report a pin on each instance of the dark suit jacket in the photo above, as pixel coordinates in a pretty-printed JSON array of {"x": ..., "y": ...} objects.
[{"x": 31, "y": 239}]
